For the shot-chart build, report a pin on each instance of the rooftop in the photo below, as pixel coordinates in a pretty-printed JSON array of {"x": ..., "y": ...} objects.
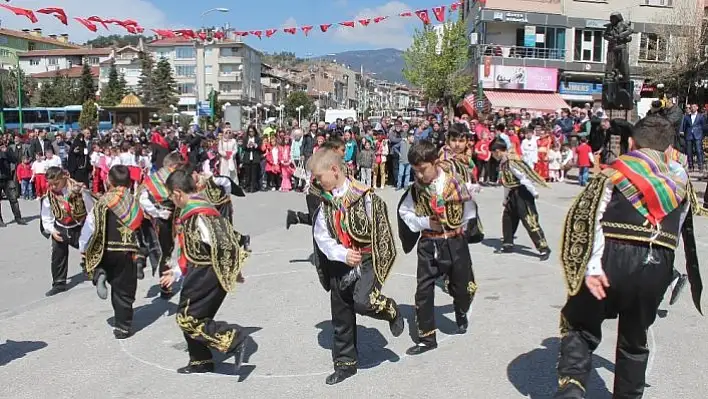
[
  {"x": 180, "y": 41},
  {"x": 40, "y": 39},
  {"x": 73, "y": 72},
  {"x": 67, "y": 52}
]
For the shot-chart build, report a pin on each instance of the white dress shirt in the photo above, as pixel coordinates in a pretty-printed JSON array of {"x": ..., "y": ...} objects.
[
  {"x": 150, "y": 208},
  {"x": 47, "y": 217},
  {"x": 329, "y": 246},
  {"x": 419, "y": 223},
  {"x": 524, "y": 180},
  {"x": 53, "y": 161},
  {"x": 206, "y": 239}
]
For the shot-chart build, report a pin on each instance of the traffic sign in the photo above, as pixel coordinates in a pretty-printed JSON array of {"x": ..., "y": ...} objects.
[{"x": 480, "y": 104}]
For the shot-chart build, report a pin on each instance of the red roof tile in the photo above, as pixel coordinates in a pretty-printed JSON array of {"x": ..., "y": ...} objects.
[
  {"x": 41, "y": 39},
  {"x": 73, "y": 72}
]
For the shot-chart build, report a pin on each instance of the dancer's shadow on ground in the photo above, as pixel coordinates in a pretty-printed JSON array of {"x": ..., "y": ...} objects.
[
  {"x": 369, "y": 342},
  {"x": 444, "y": 324},
  {"x": 496, "y": 244},
  {"x": 13, "y": 350},
  {"x": 310, "y": 259},
  {"x": 27, "y": 219},
  {"x": 534, "y": 373},
  {"x": 148, "y": 314},
  {"x": 75, "y": 280},
  {"x": 155, "y": 290}
]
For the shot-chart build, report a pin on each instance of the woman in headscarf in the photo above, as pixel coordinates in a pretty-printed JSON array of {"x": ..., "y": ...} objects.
[{"x": 78, "y": 161}]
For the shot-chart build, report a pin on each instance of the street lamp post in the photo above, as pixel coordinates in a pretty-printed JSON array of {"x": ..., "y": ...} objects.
[
  {"x": 280, "y": 109},
  {"x": 299, "y": 115},
  {"x": 204, "y": 14},
  {"x": 259, "y": 105}
]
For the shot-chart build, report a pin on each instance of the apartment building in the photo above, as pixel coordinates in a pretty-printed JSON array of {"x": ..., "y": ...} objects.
[
  {"x": 128, "y": 64},
  {"x": 61, "y": 60},
  {"x": 13, "y": 42},
  {"x": 552, "y": 51},
  {"x": 277, "y": 84},
  {"x": 228, "y": 66}
]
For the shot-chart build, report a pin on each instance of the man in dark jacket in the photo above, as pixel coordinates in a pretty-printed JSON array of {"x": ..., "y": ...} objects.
[
  {"x": 8, "y": 185},
  {"x": 40, "y": 144}
]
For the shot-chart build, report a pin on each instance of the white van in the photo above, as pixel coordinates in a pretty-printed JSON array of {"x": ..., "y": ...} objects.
[{"x": 331, "y": 115}]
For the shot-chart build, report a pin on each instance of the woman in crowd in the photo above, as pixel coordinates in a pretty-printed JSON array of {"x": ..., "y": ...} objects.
[
  {"x": 545, "y": 142},
  {"x": 227, "y": 150},
  {"x": 78, "y": 162},
  {"x": 287, "y": 163},
  {"x": 252, "y": 160}
]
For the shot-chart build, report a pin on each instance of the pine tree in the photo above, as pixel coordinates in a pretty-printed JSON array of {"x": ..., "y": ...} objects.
[
  {"x": 145, "y": 81},
  {"x": 165, "y": 90},
  {"x": 47, "y": 92},
  {"x": 112, "y": 93},
  {"x": 87, "y": 90},
  {"x": 122, "y": 87},
  {"x": 89, "y": 115}
]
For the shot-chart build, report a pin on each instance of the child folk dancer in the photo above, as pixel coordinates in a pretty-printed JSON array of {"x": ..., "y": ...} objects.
[
  {"x": 210, "y": 259},
  {"x": 519, "y": 200},
  {"x": 110, "y": 247},
  {"x": 354, "y": 253},
  {"x": 63, "y": 211},
  {"x": 618, "y": 251},
  {"x": 437, "y": 208},
  {"x": 153, "y": 198}
]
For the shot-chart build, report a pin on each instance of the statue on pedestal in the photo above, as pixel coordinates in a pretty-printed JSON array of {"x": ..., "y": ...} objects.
[{"x": 618, "y": 34}]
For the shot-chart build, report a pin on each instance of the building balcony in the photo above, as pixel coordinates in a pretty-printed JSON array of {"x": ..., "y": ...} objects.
[
  {"x": 524, "y": 56},
  {"x": 230, "y": 59},
  {"x": 230, "y": 77},
  {"x": 231, "y": 95}
]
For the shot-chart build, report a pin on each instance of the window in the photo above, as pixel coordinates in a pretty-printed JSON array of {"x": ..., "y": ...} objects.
[
  {"x": 93, "y": 60},
  {"x": 185, "y": 70},
  {"x": 207, "y": 69},
  {"x": 209, "y": 87},
  {"x": 162, "y": 54},
  {"x": 207, "y": 53},
  {"x": 230, "y": 52},
  {"x": 550, "y": 44},
  {"x": 53, "y": 61},
  {"x": 589, "y": 45},
  {"x": 185, "y": 52},
  {"x": 4, "y": 53},
  {"x": 653, "y": 47},
  {"x": 34, "y": 61},
  {"x": 185, "y": 88},
  {"x": 658, "y": 3}
]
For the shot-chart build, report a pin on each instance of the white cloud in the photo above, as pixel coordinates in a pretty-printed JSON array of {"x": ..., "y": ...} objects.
[
  {"x": 289, "y": 23},
  {"x": 142, "y": 11},
  {"x": 391, "y": 32}
]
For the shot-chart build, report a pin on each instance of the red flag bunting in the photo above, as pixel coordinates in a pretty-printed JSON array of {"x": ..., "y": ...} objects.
[
  {"x": 365, "y": 22},
  {"x": 88, "y": 24},
  {"x": 406, "y": 14},
  {"x": 347, "y": 23},
  {"x": 219, "y": 35},
  {"x": 185, "y": 33},
  {"x": 98, "y": 20},
  {"x": 324, "y": 27},
  {"x": 292, "y": 31},
  {"x": 454, "y": 6},
  {"x": 131, "y": 29},
  {"x": 164, "y": 33},
  {"x": 57, "y": 12},
  {"x": 423, "y": 15},
  {"x": 140, "y": 29},
  {"x": 257, "y": 33},
  {"x": 240, "y": 33},
  {"x": 379, "y": 19},
  {"x": 439, "y": 13},
  {"x": 23, "y": 12},
  {"x": 129, "y": 22},
  {"x": 270, "y": 32},
  {"x": 202, "y": 35},
  {"x": 306, "y": 29}
]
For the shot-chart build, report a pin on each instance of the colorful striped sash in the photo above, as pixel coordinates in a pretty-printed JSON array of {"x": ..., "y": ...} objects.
[
  {"x": 196, "y": 205},
  {"x": 123, "y": 204},
  {"x": 156, "y": 184}
]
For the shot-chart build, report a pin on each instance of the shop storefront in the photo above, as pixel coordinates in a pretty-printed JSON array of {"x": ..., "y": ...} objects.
[{"x": 579, "y": 93}]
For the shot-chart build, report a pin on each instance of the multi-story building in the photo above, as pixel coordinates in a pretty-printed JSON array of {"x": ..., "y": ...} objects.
[
  {"x": 128, "y": 64},
  {"x": 329, "y": 77},
  {"x": 401, "y": 98},
  {"x": 552, "y": 52},
  {"x": 13, "y": 42},
  {"x": 277, "y": 84},
  {"x": 72, "y": 73},
  {"x": 229, "y": 66},
  {"x": 60, "y": 60}
]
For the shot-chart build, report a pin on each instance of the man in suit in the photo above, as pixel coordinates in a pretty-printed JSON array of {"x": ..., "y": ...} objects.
[
  {"x": 40, "y": 144},
  {"x": 692, "y": 130}
]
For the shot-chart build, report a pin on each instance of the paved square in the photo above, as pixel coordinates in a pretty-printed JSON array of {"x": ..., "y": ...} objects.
[{"x": 63, "y": 347}]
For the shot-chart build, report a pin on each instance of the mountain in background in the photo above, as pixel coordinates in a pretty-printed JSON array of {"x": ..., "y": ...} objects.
[{"x": 386, "y": 63}]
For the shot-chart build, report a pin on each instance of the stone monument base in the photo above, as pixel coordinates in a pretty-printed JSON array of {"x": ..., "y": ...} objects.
[{"x": 618, "y": 95}]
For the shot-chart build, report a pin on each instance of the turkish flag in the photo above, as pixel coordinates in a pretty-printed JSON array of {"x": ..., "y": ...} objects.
[
  {"x": 23, "y": 12},
  {"x": 292, "y": 31},
  {"x": 347, "y": 23},
  {"x": 57, "y": 12},
  {"x": 98, "y": 20},
  {"x": 257, "y": 33},
  {"x": 131, "y": 29},
  {"x": 129, "y": 22},
  {"x": 218, "y": 35},
  {"x": 379, "y": 19},
  {"x": 439, "y": 13},
  {"x": 240, "y": 33},
  {"x": 306, "y": 29},
  {"x": 324, "y": 27},
  {"x": 271, "y": 32},
  {"x": 88, "y": 24},
  {"x": 139, "y": 28},
  {"x": 365, "y": 22},
  {"x": 406, "y": 14},
  {"x": 164, "y": 33},
  {"x": 423, "y": 15},
  {"x": 202, "y": 35},
  {"x": 454, "y": 6},
  {"x": 186, "y": 33}
]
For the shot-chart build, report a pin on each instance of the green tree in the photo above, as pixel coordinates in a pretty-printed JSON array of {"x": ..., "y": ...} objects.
[
  {"x": 146, "y": 84},
  {"x": 89, "y": 115},
  {"x": 185, "y": 120},
  {"x": 87, "y": 89},
  {"x": 47, "y": 93},
  {"x": 122, "y": 87},
  {"x": 436, "y": 65},
  {"x": 8, "y": 80},
  {"x": 296, "y": 99},
  {"x": 165, "y": 88},
  {"x": 115, "y": 41},
  {"x": 112, "y": 93}
]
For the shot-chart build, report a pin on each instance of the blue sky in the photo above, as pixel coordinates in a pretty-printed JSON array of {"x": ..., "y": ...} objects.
[{"x": 246, "y": 15}]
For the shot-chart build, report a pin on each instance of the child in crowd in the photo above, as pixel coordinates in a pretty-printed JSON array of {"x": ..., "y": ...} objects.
[
  {"x": 483, "y": 156},
  {"x": 365, "y": 161},
  {"x": 585, "y": 161},
  {"x": 272, "y": 156},
  {"x": 529, "y": 150},
  {"x": 350, "y": 153},
  {"x": 380, "y": 162},
  {"x": 50, "y": 159},
  {"x": 404, "y": 167},
  {"x": 566, "y": 161},
  {"x": 95, "y": 160},
  {"x": 554, "y": 163},
  {"x": 39, "y": 169},
  {"x": 24, "y": 176},
  {"x": 287, "y": 164}
]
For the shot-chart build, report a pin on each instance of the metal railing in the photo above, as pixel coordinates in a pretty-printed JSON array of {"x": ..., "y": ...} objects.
[{"x": 497, "y": 50}]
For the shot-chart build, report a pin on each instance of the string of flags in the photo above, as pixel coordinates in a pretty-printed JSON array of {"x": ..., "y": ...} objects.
[{"x": 133, "y": 27}]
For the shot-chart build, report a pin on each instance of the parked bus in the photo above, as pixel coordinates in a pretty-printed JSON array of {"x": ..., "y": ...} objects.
[
  {"x": 32, "y": 118},
  {"x": 52, "y": 119},
  {"x": 71, "y": 118}
]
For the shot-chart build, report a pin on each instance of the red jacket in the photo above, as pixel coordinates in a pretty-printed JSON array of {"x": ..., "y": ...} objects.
[
  {"x": 584, "y": 152},
  {"x": 24, "y": 171}
]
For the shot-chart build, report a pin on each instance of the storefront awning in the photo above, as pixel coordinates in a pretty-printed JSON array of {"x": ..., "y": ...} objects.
[{"x": 516, "y": 100}]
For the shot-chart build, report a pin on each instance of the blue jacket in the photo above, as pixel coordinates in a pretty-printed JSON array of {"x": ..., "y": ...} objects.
[{"x": 693, "y": 130}]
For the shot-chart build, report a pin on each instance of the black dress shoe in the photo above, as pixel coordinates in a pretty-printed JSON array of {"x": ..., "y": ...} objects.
[
  {"x": 196, "y": 368},
  {"x": 101, "y": 289},
  {"x": 121, "y": 334},
  {"x": 340, "y": 375},
  {"x": 545, "y": 255},
  {"x": 246, "y": 242},
  {"x": 20, "y": 221},
  {"x": 505, "y": 249},
  {"x": 290, "y": 219},
  {"x": 678, "y": 289},
  {"x": 462, "y": 323},
  {"x": 57, "y": 289},
  {"x": 420, "y": 349},
  {"x": 397, "y": 325},
  {"x": 2, "y": 224}
]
